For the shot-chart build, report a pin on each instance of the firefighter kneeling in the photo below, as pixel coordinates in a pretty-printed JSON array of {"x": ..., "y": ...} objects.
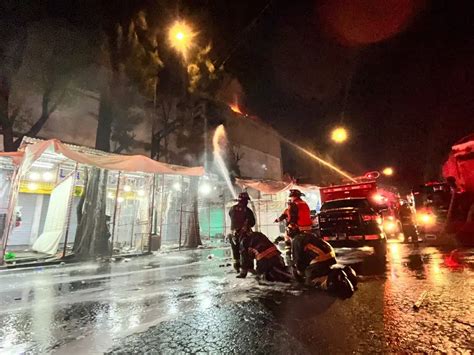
[
  {"x": 270, "y": 265},
  {"x": 314, "y": 261}
]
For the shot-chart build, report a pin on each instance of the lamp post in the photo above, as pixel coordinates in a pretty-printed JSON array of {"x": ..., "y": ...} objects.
[
  {"x": 388, "y": 171},
  {"x": 180, "y": 38}
]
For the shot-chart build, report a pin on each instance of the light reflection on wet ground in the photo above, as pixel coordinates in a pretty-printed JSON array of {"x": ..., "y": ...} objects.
[{"x": 94, "y": 307}]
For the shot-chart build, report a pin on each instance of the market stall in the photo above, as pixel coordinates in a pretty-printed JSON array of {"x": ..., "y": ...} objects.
[{"x": 77, "y": 200}]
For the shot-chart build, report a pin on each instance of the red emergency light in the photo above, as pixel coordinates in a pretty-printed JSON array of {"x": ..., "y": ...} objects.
[{"x": 363, "y": 190}]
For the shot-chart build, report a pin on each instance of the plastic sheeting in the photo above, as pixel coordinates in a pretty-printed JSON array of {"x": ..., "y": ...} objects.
[
  {"x": 56, "y": 219},
  {"x": 274, "y": 187},
  {"x": 265, "y": 186},
  {"x": 131, "y": 163}
]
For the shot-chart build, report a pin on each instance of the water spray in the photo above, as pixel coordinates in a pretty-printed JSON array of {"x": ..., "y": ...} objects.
[
  {"x": 320, "y": 160},
  {"x": 219, "y": 140}
]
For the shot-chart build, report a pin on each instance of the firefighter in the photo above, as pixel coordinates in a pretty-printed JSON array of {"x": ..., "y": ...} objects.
[
  {"x": 299, "y": 214},
  {"x": 242, "y": 221},
  {"x": 314, "y": 259},
  {"x": 256, "y": 246},
  {"x": 298, "y": 220},
  {"x": 285, "y": 216},
  {"x": 408, "y": 220}
]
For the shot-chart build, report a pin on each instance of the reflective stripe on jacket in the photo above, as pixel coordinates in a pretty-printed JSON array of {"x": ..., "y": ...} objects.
[
  {"x": 320, "y": 254},
  {"x": 265, "y": 254}
]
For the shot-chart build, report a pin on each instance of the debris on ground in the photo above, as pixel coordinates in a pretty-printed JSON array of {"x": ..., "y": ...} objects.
[{"x": 420, "y": 300}]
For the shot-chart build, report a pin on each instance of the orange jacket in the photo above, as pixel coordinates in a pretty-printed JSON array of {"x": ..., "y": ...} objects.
[{"x": 300, "y": 214}]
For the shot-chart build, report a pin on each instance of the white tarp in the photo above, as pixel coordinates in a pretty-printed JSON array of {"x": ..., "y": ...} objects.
[
  {"x": 56, "y": 218},
  {"x": 132, "y": 163}
]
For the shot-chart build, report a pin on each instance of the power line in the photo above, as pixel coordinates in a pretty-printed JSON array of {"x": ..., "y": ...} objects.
[{"x": 243, "y": 34}]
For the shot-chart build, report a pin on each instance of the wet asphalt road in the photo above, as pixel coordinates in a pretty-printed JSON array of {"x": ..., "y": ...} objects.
[{"x": 191, "y": 302}]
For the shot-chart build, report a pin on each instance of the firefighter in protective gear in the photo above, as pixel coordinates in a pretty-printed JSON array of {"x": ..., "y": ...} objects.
[
  {"x": 298, "y": 221},
  {"x": 313, "y": 258},
  {"x": 256, "y": 246},
  {"x": 285, "y": 216},
  {"x": 242, "y": 221},
  {"x": 408, "y": 220},
  {"x": 300, "y": 214}
]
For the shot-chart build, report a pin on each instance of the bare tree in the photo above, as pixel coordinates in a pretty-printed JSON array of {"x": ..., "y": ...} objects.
[
  {"x": 13, "y": 38},
  {"x": 54, "y": 56}
]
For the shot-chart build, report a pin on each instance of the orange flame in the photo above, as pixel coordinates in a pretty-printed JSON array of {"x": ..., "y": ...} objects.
[{"x": 235, "y": 107}]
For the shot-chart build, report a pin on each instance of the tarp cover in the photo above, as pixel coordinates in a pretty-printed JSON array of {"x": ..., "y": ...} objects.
[
  {"x": 131, "y": 163},
  {"x": 16, "y": 157},
  {"x": 56, "y": 219},
  {"x": 273, "y": 187}
]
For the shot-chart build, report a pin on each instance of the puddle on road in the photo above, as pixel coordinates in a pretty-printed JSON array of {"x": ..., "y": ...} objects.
[{"x": 60, "y": 308}]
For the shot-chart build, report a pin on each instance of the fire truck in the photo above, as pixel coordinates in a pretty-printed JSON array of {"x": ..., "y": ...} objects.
[{"x": 359, "y": 214}]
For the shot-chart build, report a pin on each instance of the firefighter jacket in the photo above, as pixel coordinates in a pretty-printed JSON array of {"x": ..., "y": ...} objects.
[
  {"x": 257, "y": 246},
  {"x": 300, "y": 215},
  {"x": 241, "y": 217},
  {"x": 285, "y": 215},
  {"x": 309, "y": 249}
]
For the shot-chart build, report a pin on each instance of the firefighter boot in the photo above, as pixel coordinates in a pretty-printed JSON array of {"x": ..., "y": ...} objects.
[
  {"x": 242, "y": 274},
  {"x": 236, "y": 266}
]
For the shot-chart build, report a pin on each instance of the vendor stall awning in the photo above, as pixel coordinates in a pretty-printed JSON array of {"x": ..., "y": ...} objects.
[
  {"x": 130, "y": 163},
  {"x": 273, "y": 187}
]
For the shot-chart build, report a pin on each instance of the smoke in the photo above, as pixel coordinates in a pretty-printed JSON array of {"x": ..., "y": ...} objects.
[{"x": 230, "y": 91}]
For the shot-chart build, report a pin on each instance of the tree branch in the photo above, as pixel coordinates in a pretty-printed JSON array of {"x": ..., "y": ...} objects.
[{"x": 45, "y": 114}]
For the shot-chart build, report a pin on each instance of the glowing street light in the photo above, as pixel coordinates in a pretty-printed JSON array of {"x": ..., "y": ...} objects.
[
  {"x": 388, "y": 171},
  {"x": 180, "y": 37},
  {"x": 339, "y": 135}
]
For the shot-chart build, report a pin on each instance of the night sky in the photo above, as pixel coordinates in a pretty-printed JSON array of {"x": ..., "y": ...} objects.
[
  {"x": 399, "y": 74},
  {"x": 402, "y": 71}
]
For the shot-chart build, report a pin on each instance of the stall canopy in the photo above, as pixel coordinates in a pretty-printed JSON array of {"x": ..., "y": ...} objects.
[
  {"x": 131, "y": 163},
  {"x": 460, "y": 164},
  {"x": 273, "y": 187}
]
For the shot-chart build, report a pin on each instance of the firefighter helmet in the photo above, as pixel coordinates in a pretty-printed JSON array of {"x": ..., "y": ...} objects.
[
  {"x": 296, "y": 193},
  {"x": 244, "y": 196}
]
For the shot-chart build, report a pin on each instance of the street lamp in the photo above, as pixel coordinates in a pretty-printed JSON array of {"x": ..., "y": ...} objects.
[
  {"x": 180, "y": 36},
  {"x": 339, "y": 135},
  {"x": 388, "y": 171}
]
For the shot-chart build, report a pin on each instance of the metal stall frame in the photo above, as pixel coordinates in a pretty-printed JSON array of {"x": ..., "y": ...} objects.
[{"x": 15, "y": 186}]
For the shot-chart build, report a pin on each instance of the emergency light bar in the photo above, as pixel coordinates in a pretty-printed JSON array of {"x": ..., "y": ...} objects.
[
  {"x": 347, "y": 188},
  {"x": 351, "y": 190}
]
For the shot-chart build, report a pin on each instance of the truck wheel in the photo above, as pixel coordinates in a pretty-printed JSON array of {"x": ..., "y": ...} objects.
[{"x": 380, "y": 249}]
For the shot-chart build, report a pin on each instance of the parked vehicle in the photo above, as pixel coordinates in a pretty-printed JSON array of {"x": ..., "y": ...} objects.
[{"x": 350, "y": 217}]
